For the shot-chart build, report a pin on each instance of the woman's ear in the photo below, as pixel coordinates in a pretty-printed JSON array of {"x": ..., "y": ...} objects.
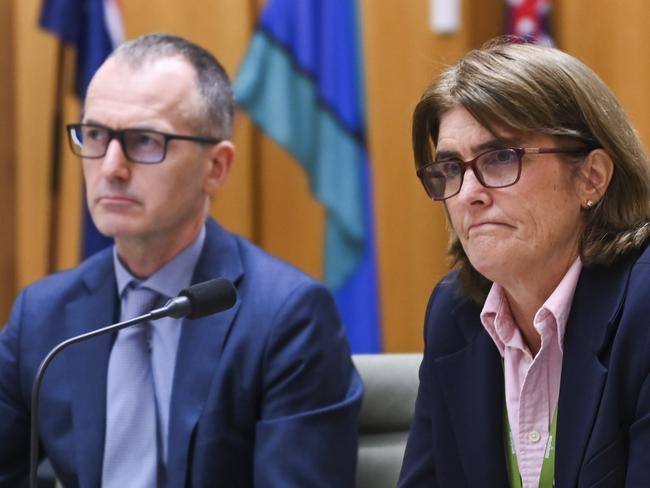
[
  {"x": 596, "y": 174},
  {"x": 221, "y": 159}
]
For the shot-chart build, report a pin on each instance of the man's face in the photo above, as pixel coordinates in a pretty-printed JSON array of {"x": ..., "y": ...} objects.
[{"x": 131, "y": 201}]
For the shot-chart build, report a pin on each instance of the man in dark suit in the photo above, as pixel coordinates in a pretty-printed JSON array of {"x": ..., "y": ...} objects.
[{"x": 263, "y": 394}]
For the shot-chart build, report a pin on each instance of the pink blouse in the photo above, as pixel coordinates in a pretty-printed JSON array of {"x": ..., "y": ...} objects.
[{"x": 532, "y": 384}]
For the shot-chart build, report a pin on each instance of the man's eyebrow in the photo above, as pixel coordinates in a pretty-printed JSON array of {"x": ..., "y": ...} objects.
[
  {"x": 90, "y": 121},
  {"x": 495, "y": 143},
  {"x": 145, "y": 127}
]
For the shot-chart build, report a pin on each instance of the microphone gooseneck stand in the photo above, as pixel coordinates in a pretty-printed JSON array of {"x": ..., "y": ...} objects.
[
  {"x": 36, "y": 387},
  {"x": 196, "y": 301}
]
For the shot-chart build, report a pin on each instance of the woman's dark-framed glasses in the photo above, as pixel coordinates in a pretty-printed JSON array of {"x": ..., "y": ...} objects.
[
  {"x": 495, "y": 168},
  {"x": 138, "y": 145}
]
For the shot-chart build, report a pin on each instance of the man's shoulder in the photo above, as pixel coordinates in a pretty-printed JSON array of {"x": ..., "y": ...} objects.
[
  {"x": 265, "y": 272},
  {"x": 264, "y": 265},
  {"x": 276, "y": 297},
  {"x": 63, "y": 282},
  {"x": 271, "y": 277}
]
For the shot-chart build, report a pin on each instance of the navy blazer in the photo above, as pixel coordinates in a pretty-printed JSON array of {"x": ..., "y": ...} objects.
[
  {"x": 264, "y": 394},
  {"x": 603, "y": 431}
]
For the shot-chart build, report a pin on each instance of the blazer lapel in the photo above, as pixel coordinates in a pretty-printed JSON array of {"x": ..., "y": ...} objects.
[
  {"x": 594, "y": 315},
  {"x": 472, "y": 385},
  {"x": 87, "y": 363},
  {"x": 199, "y": 350}
]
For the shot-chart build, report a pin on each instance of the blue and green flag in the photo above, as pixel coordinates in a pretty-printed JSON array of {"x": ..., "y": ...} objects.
[{"x": 302, "y": 83}]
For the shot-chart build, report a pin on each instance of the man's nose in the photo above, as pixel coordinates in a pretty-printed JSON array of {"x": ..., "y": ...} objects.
[{"x": 114, "y": 163}]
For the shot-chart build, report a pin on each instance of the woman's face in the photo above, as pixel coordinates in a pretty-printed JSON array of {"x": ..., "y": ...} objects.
[{"x": 527, "y": 231}]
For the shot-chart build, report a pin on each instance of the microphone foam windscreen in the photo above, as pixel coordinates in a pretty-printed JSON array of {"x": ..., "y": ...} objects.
[{"x": 210, "y": 297}]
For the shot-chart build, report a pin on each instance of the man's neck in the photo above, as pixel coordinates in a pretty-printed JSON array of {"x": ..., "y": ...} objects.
[{"x": 143, "y": 256}]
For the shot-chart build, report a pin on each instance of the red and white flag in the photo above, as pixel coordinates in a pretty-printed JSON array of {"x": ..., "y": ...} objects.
[{"x": 530, "y": 20}]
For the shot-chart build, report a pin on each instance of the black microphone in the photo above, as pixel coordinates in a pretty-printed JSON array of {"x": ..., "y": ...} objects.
[
  {"x": 197, "y": 301},
  {"x": 200, "y": 300}
]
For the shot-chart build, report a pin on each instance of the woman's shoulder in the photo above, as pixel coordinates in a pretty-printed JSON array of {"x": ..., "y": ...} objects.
[
  {"x": 447, "y": 296},
  {"x": 639, "y": 269},
  {"x": 639, "y": 280},
  {"x": 451, "y": 317},
  {"x": 644, "y": 259}
]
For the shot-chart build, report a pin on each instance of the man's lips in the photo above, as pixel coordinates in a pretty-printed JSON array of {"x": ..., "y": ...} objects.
[{"x": 116, "y": 200}]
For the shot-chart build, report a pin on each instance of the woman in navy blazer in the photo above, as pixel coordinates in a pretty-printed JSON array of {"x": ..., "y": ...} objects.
[{"x": 537, "y": 346}]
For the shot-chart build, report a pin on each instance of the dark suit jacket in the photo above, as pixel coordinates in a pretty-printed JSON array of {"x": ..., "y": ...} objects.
[
  {"x": 603, "y": 432},
  {"x": 264, "y": 394}
]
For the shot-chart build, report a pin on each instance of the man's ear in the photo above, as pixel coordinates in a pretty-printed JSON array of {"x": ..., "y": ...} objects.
[
  {"x": 221, "y": 158},
  {"x": 596, "y": 171}
]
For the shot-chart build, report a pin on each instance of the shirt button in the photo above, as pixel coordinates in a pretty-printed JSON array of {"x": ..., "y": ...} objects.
[{"x": 534, "y": 436}]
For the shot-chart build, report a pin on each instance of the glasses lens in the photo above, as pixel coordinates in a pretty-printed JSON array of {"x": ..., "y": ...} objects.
[
  {"x": 144, "y": 146},
  {"x": 442, "y": 180},
  {"x": 89, "y": 141},
  {"x": 499, "y": 168}
]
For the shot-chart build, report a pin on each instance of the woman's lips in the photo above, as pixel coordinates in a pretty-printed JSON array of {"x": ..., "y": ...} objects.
[{"x": 486, "y": 225}]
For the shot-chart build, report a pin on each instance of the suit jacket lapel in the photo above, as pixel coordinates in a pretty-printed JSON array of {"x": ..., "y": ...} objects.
[
  {"x": 87, "y": 363},
  {"x": 472, "y": 385},
  {"x": 199, "y": 351},
  {"x": 594, "y": 316}
]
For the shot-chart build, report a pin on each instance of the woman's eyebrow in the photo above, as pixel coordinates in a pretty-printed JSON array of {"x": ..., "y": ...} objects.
[{"x": 495, "y": 143}]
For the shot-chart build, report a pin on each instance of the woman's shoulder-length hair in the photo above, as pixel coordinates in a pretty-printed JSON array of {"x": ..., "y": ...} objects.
[{"x": 535, "y": 89}]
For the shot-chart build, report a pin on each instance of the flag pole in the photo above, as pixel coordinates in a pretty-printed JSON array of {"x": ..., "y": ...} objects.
[
  {"x": 256, "y": 155},
  {"x": 55, "y": 158}
]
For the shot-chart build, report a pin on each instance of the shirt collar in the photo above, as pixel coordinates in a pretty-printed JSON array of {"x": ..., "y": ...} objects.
[
  {"x": 169, "y": 280},
  {"x": 497, "y": 318}
]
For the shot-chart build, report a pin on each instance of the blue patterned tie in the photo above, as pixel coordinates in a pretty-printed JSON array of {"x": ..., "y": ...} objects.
[{"x": 130, "y": 448}]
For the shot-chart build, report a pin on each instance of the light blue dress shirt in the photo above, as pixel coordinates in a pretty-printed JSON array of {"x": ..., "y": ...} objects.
[{"x": 168, "y": 281}]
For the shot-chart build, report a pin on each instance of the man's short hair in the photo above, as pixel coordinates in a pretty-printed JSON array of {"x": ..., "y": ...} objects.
[{"x": 213, "y": 82}]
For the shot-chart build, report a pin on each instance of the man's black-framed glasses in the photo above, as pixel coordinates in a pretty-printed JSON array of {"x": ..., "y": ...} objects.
[
  {"x": 142, "y": 146},
  {"x": 495, "y": 168}
]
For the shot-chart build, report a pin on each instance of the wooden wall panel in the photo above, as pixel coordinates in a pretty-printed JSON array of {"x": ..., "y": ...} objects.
[
  {"x": 402, "y": 57},
  {"x": 410, "y": 229},
  {"x": 34, "y": 61},
  {"x": 7, "y": 154},
  {"x": 613, "y": 40},
  {"x": 267, "y": 198}
]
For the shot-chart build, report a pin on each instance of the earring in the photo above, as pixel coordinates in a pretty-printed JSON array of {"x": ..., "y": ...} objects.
[{"x": 589, "y": 204}]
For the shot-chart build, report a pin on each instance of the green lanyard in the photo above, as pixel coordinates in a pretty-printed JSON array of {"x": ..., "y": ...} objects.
[{"x": 546, "y": 479}]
